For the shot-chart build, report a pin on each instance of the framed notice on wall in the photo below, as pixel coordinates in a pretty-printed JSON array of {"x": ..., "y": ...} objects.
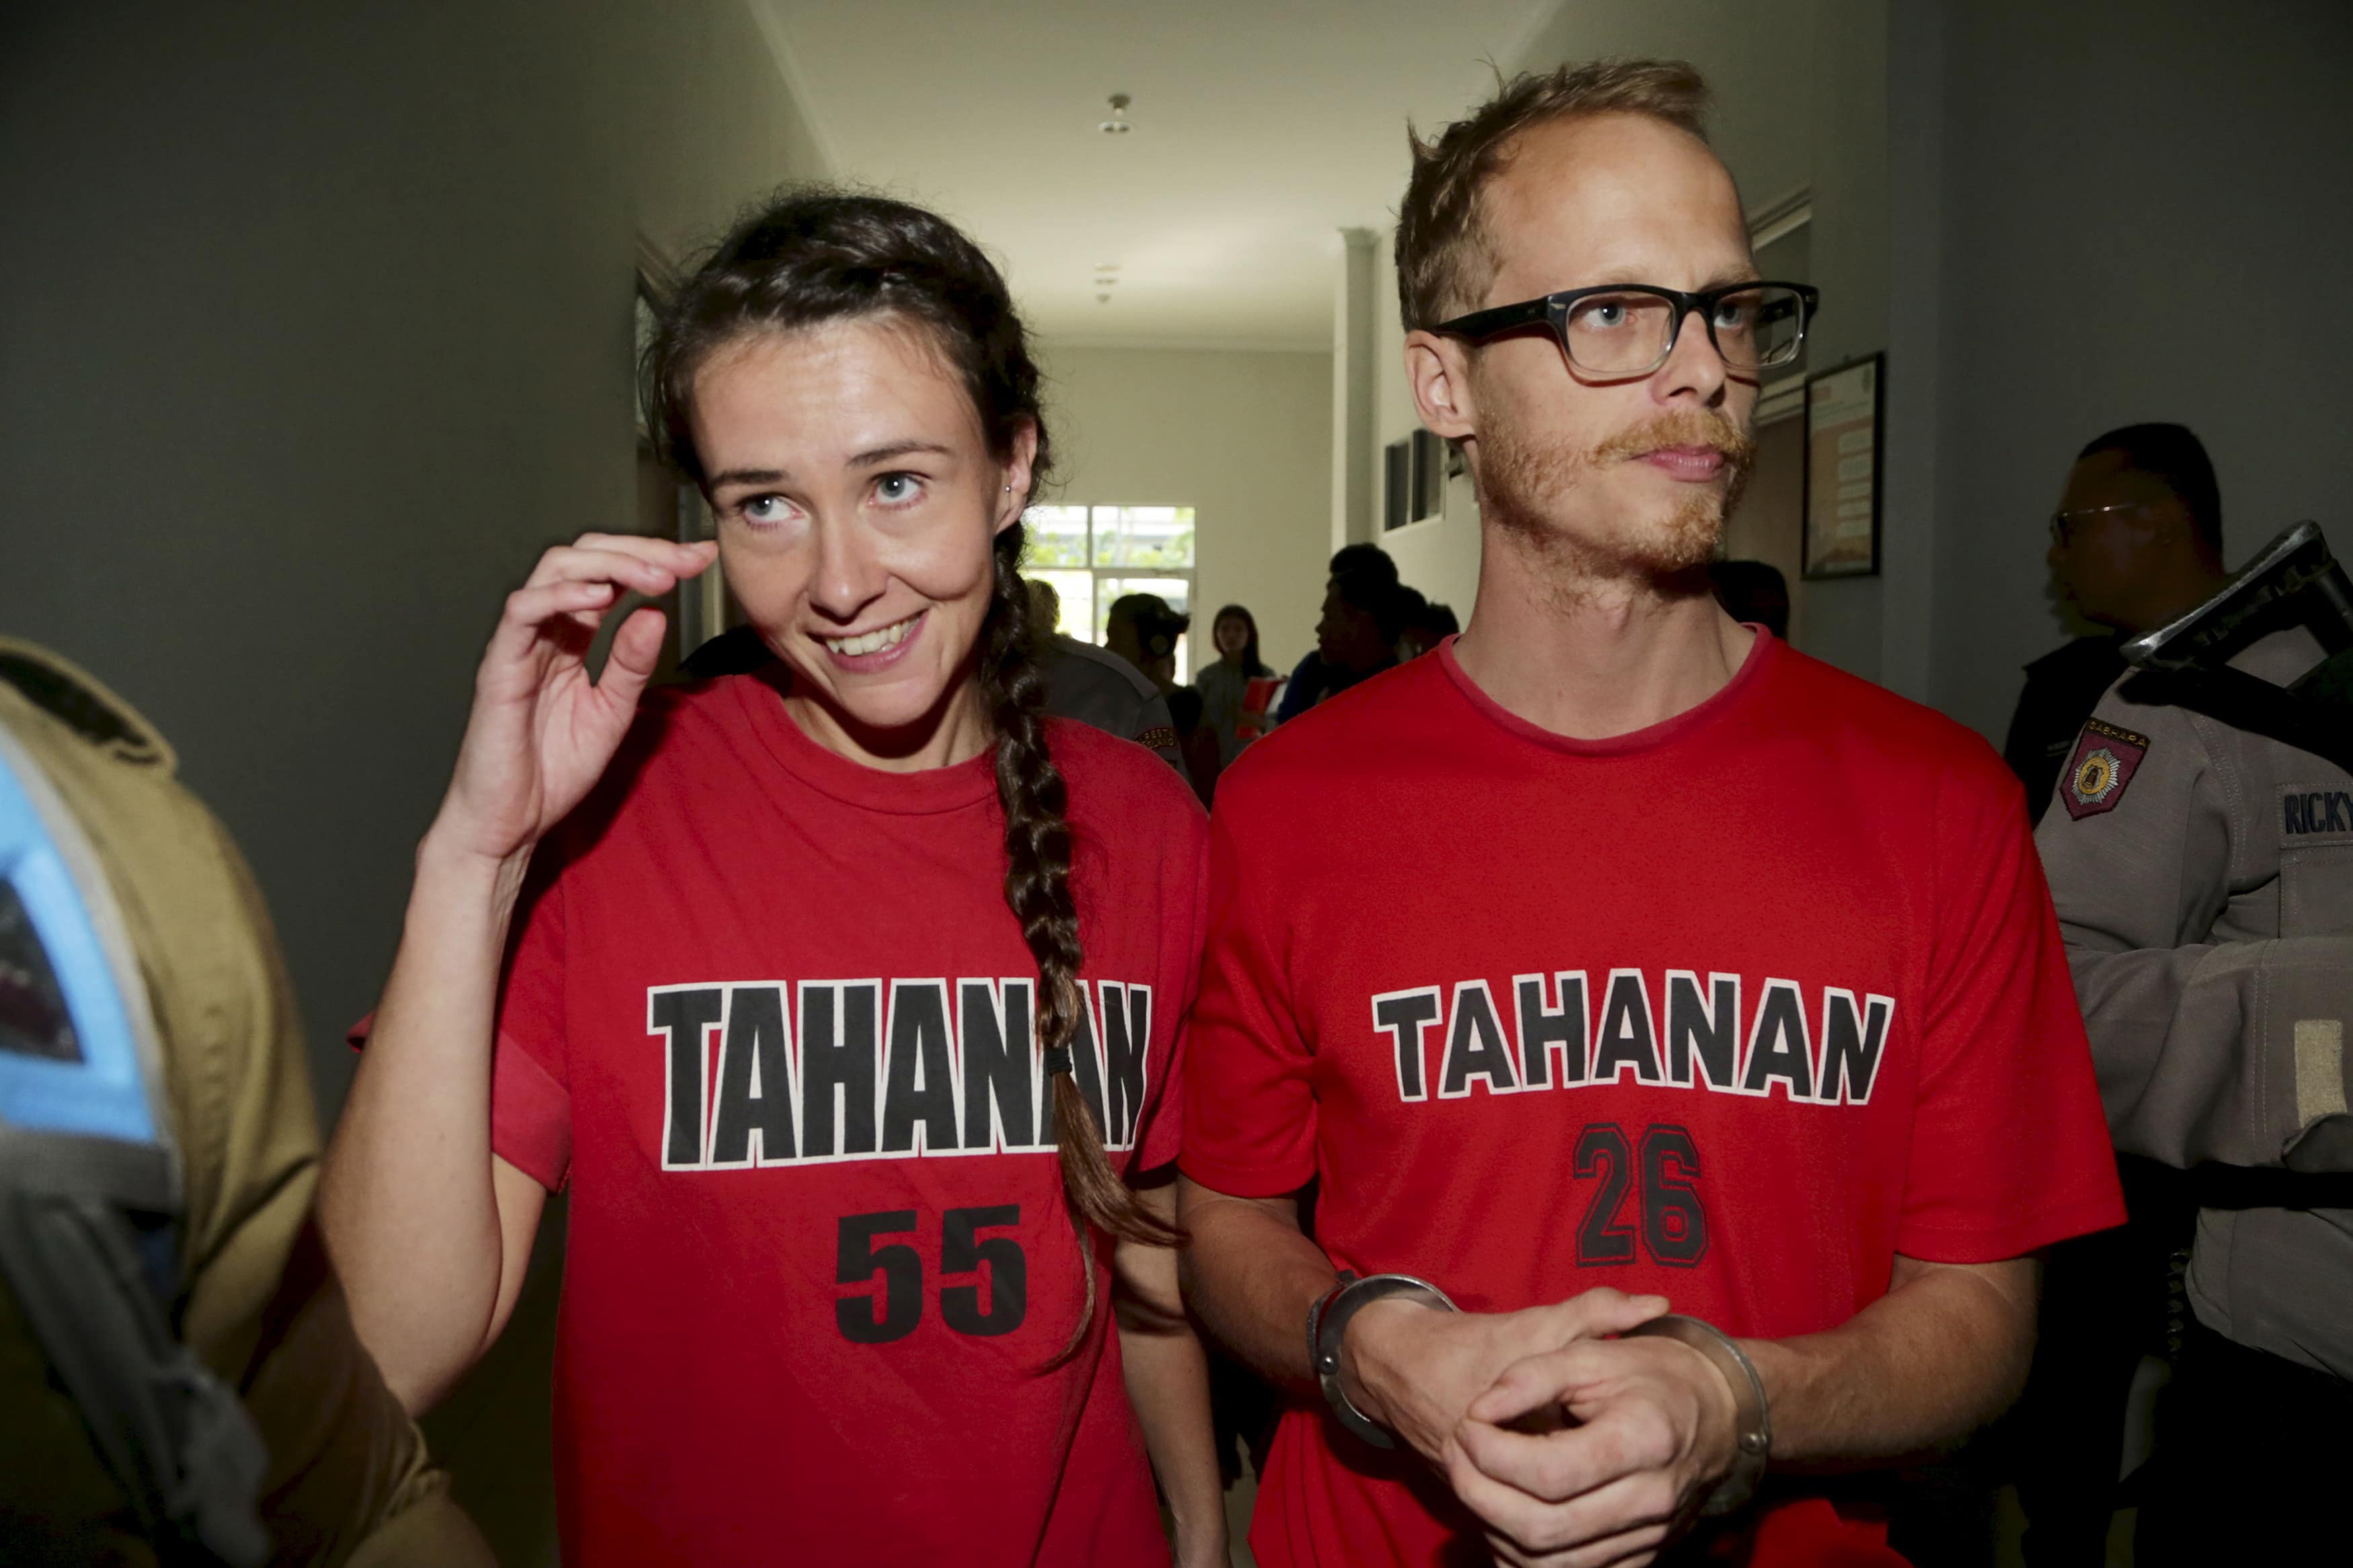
[
  {"x": 1397, "y": 485},
  {"x": 1842, "y": 507}
]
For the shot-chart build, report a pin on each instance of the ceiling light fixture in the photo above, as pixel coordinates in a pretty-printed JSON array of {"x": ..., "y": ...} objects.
[{"x": 1118, "y": 124}]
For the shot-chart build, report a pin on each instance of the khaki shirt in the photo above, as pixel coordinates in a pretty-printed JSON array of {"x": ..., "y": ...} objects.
[
  {"x": 349, "y": 1479},
  {"x": 2203, "y": 878}
]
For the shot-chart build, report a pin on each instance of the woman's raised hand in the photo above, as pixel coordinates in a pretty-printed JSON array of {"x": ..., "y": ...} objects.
[{"x": 541, "y": 731}]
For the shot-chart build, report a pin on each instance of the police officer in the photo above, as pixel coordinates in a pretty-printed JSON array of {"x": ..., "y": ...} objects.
[
  {"x": 2135, "y": 539},
  {"x": 339, "y": 1475},
  {"x": 2204, "y": 877}
]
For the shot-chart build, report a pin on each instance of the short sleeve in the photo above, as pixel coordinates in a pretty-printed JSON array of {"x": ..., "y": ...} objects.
[
  {"x": 2010, "y": 1151},
  {"x": 1250, "y": 1104},
  {"x": 531, "y": 1098},
  {"x": 1152, "y": 728}
]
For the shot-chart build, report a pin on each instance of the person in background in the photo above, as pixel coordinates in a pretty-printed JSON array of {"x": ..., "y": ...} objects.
[
  {"x": 1224, "y": 683},
  {"x": 1097, "y": 687},
  {"x": 1045, "y": 607},
  {"x": 1753, "y": 593},
  {"x": 1425, "y": 627},
  {"x": 1143, "y": 629},
  {"x": 1243, "y": 1405},
  {"x": 2136, "y": 541},
  {"x": 1412, "y": 603},
  {"x": 1363, "y": 612},
  {"x": 1312, "y": 680},
  {"x": 2203, "y": 874}
]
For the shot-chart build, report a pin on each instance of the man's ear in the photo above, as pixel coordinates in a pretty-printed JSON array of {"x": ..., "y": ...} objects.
[
  {"x": 1014, "y": 499},
  {"x": 1438, "y": 371}
]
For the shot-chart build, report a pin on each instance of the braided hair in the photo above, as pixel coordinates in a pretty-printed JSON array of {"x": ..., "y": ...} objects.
[{"x": 814, "y": 255}]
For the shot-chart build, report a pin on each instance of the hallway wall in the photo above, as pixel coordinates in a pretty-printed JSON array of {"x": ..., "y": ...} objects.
[
  {"x": 2136, "y": 199},
  {"x": 317, "y": 329},
  {"x": 1244, "y": 437}
]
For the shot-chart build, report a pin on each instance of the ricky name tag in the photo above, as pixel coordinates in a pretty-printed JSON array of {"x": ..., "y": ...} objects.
[
  {"x": 2104, "y": 762},
  {"x": 2315, "y": 814}
]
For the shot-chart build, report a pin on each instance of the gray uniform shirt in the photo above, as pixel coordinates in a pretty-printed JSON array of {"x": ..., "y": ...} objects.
[
  {"x": 1095, "y": 686},
  {"x": 2204, "y": 883}
]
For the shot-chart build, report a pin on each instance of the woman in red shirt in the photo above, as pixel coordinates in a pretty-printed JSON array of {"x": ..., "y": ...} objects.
[{"x": 846, "y": 994}]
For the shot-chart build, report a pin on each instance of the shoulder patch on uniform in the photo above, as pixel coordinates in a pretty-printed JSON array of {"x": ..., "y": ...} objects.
[
  {"x": 1159, "y": 738},
  {"x": 2105, "y": 760}
]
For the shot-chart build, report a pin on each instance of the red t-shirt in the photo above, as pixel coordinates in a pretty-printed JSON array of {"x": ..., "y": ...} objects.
[
  {"x": 1732, "y": 1009},
  {"x": 769, "y": 1016}
]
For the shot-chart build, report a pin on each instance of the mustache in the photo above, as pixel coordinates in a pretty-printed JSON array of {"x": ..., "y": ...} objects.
[{"x": 1680, "y": 427}]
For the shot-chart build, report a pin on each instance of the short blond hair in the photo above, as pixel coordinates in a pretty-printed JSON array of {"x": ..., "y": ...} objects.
[{"x": 1444, "y": 257}]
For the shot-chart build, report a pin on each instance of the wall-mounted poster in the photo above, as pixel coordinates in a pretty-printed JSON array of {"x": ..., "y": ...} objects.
[
  {"x": 1428, "y": 476},
  {"x": 1841, "y": 510},
  {"x": 1397, "y": 485}
]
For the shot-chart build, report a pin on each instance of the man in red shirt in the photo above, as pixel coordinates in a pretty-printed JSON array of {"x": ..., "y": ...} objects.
[{"x": 1732, "y": 984}]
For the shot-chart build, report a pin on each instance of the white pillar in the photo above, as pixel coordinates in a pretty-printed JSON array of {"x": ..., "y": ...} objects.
[{"x": 1352, "y": 390}]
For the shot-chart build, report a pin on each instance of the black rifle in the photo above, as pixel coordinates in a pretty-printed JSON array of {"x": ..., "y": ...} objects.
[{"x": 2294, "y": 581}]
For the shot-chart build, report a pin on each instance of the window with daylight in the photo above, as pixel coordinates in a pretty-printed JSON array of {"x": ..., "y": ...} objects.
[{"x": 1095, "y": 554}]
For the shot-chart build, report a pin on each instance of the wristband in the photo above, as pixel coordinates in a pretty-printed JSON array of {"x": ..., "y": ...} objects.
[
  {"x": 1752, "y": 1417},
  {"x": 1327, "y": 1320}
]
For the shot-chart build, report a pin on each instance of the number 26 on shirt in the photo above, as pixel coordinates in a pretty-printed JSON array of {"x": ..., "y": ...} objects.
[{"x": 1666, "y": 1170}]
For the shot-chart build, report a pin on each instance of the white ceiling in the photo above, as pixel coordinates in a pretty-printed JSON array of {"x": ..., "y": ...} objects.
[{"x": 1262, "y": 128}]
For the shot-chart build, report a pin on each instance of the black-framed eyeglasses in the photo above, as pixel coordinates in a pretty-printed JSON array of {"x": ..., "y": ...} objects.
[
  {"x": 2063, "y": 523},
  {"x": 1630, "y": 328}
]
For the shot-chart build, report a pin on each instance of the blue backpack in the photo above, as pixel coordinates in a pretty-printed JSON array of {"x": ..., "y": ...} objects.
[{"x": 89, "y": 1188}]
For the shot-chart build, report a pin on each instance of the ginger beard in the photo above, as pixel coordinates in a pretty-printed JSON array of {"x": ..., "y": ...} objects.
[{"x": 1531, "y": 485}]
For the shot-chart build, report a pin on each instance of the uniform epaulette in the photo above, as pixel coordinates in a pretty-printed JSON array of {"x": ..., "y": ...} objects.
[{"x": 81, "y": 703}]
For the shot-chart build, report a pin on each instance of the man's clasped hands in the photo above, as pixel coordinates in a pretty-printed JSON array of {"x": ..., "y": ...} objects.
[{"x": 1575, "y": 1450}]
